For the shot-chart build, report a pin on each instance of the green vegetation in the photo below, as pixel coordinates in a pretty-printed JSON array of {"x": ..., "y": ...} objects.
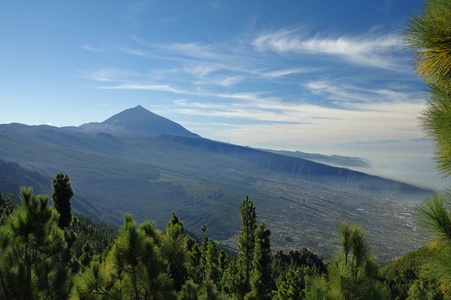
[
  {"x": 89, "y": 260},
  {"x": 62, "y": 192},
  {"x": 31, "y": 244},
  {"x": 352, "y": 273},
  {"x": 428, "y": 34},
  {"x": 49, "y": 252},
  {"x": 409, "y": 275}
]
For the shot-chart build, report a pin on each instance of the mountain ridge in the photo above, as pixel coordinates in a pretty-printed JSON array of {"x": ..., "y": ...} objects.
[
  {"x": 136, "y": 121},
  {"x": 203, "y": 181},
  {"x": 13, "y": 176}
]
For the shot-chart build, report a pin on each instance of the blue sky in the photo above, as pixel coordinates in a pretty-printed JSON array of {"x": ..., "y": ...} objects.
[{"x": 316, "y": 76}]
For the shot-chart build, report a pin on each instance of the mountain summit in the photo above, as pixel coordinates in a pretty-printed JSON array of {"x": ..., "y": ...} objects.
[{"x": 137, "y": 121}]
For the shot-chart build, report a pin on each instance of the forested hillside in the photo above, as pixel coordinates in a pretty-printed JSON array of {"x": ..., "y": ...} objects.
[{"x": 43, "y": 257}]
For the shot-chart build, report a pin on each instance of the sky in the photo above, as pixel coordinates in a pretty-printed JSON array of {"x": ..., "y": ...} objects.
[{"x": 327, "y": 76}]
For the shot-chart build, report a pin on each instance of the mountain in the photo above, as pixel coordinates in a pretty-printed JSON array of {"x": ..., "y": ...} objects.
[
  {"x": 136, "y": 121},
  {"x": 333, "y": 160},
  {"x": 204, "y": 181},
  {"x": 13, "y": 176},
  {"x": 305, "y": 169}
]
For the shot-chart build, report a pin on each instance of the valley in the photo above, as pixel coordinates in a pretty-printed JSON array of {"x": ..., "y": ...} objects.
[{"x": 203, "y": 181}]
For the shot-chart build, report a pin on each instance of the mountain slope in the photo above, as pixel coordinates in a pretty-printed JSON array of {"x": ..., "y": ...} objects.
[
  {"x": 136, "y": 121},
  {"x": 306, "y": 169},
  {"x": 204, "y": 181},
  {"x": 13, "y": 177},
  {"x": 332, "y": 160}
]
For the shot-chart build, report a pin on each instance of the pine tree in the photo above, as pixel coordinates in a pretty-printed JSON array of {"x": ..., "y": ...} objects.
[
  {"x": 173, "y": 249},
  {"x": 317, "y": 288},
  {"x": 86, "y": 255},
  {"x": 189, "y": 291},
  {"x": 434, "y": 216},
  {"x": 62, "y": 193},
  {"x": 209, "y": 268},
  {"x": 261, "y": 265},
  {"x": 203, "y": 255},
  {"x": 232, "y": 280},
  {"x": 193, "y": 259},
  {"x": 352, "y": 272},
  {"x": 428, "y": 35},
  {"x": 246, "y": 242},
  {"x": 7, "y": 205},
  {"x": 134, "y": 268},
  {"x": 212, "y": 270},
  {"x": 416, "y": 292},
  {"x": 291, "y": 285},
  {"x": 31, "y": 244}
]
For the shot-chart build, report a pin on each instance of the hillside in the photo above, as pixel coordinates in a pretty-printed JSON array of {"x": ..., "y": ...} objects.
[
  {"x": 13, "y": 177},
  {"x": 204, "y": 181},
  {"x": 136, "y": 121},
  {"x": 333, "y": 160}
]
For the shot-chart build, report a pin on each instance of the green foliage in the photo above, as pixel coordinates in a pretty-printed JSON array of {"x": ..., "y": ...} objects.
[
  {"x": 87, "y": 230},
  {"x": 261, "y": 265},
  {"x": 435, "y": 121},
  {"x": 434, "y": 216},
  {"x": 399, "y": 275},
  {"x": 174, "y": 251},
  {"x": 291, "y": 286},
  {"x": 189, "y": 291},
  {"x": 86, "y": 255},
  {"x": 246, "y": 242},
  {"x": 428, "y": 34},
  {"x": 62, "y": 192},
  {"x": 134, "y": 269},
  {"x": 212, "y": 271},
  {"x": 352, "y": 273},
  {"x": 140, "y": 262},
  {"x": 317, "y": 288},
  {"x": 7, "y": 206},
  {"x": 31, "y": 244}
]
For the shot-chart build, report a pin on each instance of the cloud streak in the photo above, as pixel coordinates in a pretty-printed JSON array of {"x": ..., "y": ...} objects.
[
  {"x": 90, "y": 48},
  {"x": 274, "y": 86},
  {"x": 369, "y": 50}
]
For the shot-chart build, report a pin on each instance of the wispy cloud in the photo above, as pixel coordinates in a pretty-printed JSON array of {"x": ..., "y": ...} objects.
[
  {"x": 90, "y": 48},
  {"x": 222, "y": 80},
  {"x": 108, "y": 75},
  {"x": 349, "y": 95},
  {"x": 369, "y": 50},
  {"x": 264, "y": 89},
  {"x": 145, "y": 86},
  {"x": 197, "y": 50},
  {"x": 285, "y": 72},
  {"x": 132, "y": 51},
  {"x": 388, "y": 116},
  {"x": 239, "y": 97},
  {"x": 134, "y": 9}
]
